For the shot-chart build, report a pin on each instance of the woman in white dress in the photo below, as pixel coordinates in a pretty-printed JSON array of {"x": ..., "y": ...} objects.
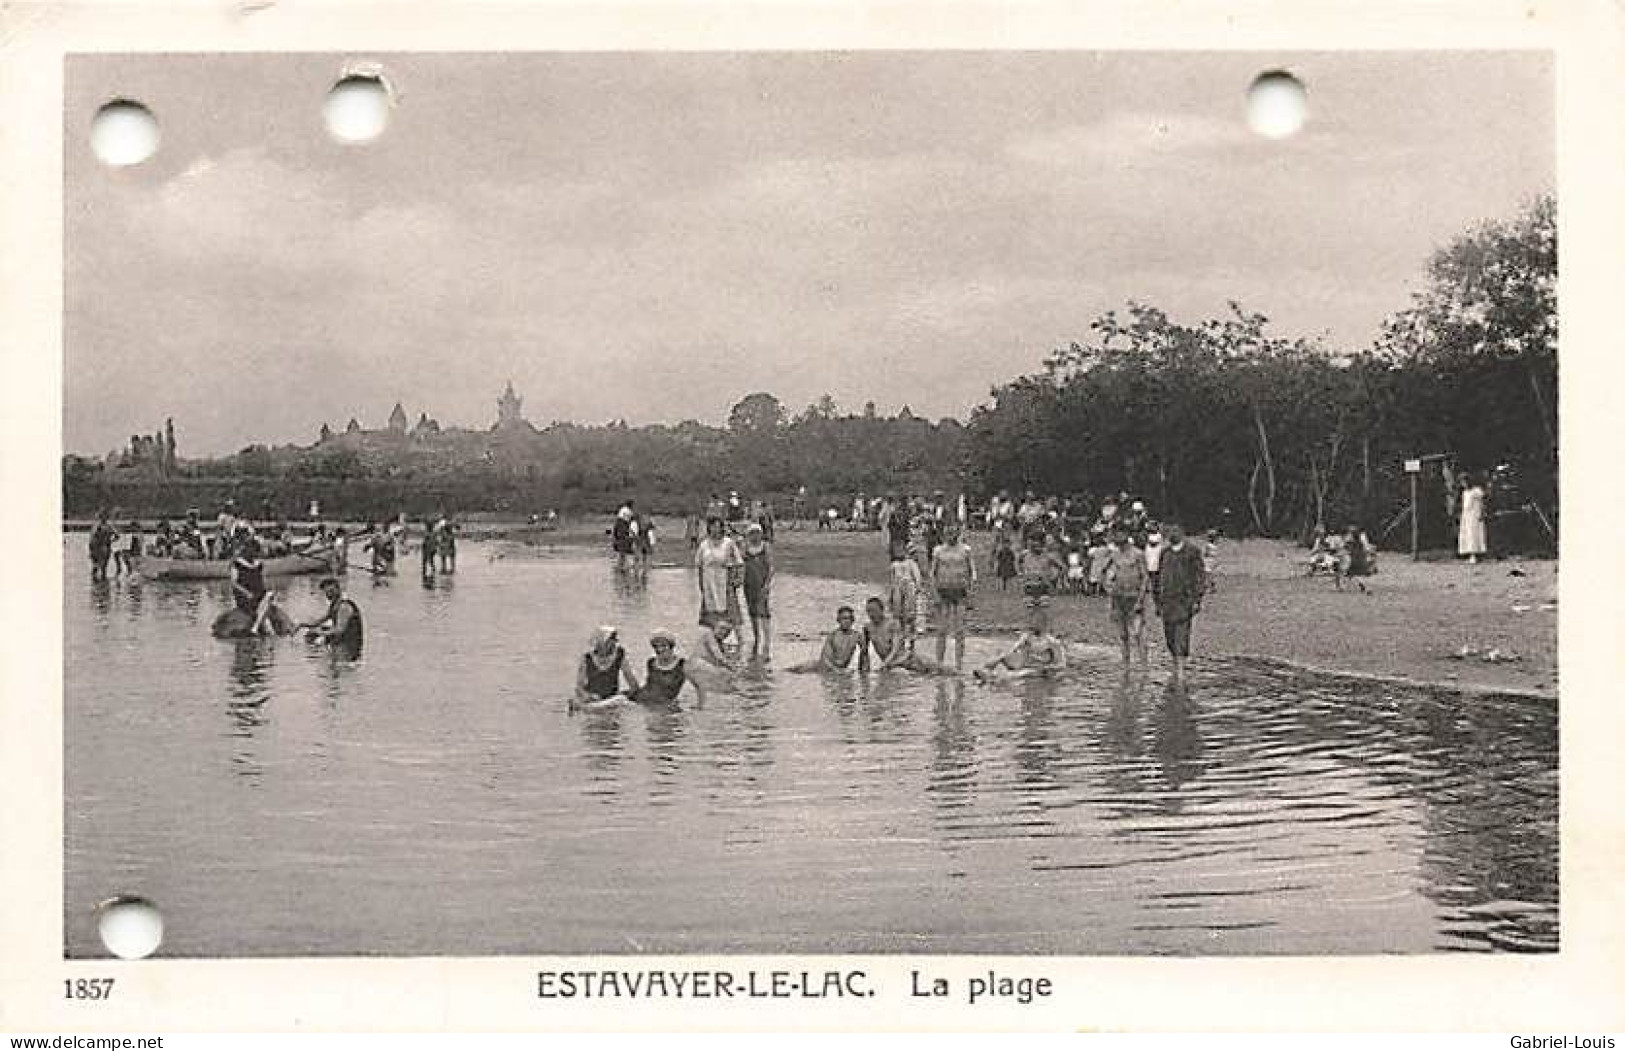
[
  {"x": 1470, "y": 539},
  {"x": 720, "y": 565}
]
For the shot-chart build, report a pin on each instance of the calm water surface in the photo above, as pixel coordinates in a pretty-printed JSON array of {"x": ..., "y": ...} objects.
[{"x": 435, "y": 797}]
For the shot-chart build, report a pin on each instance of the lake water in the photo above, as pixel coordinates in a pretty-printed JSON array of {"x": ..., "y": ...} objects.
[{"x": 436, "y": 797}]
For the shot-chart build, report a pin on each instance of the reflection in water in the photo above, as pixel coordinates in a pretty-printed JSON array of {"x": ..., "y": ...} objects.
[
  {"x": 1106, "y": 812},
  {"x": 1175, "y": 739},
  {"x": 245, "y": 705}
]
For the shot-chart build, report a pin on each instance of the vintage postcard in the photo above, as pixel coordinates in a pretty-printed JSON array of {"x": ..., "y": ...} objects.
[{"x": 772, "y": 516}]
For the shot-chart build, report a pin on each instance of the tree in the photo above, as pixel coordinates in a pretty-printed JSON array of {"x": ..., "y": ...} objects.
[
  {"x": 1485, "y": 328},
  {"x": 756, "y": 415}
]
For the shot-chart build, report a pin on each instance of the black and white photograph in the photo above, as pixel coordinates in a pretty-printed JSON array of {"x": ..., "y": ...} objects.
[{"x": 885, "y": 502}]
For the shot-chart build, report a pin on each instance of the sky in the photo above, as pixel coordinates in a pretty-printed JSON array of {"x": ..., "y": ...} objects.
[{"x": 651, "y": 236}]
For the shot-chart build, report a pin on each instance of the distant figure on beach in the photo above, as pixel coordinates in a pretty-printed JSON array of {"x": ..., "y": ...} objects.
[
  {"x": 666, "y": 673},
  {"x": 102, "y": 538},
  {"x": 758, "y": 590},
  {"x": 602, "y": 670},
  {"x": 953, "y": 573},
  {"x": 718, "y": 562},
  {"x": 839, "y": 647},
  {"x": 1039, "y": 569},
  {"x": 1355, "y": 559},
  {"x": 1004, "y": 559},
  {"x": 1471, "y": 538},
  {"x": 1180, "y": 585}
]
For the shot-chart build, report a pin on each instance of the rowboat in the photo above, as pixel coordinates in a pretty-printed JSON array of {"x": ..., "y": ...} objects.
[{"x": 157, "y": 568}]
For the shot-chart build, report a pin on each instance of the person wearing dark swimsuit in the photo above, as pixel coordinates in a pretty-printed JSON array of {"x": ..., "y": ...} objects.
[
  {"x": 667, "y": 673},
  {"x": 602, "y": 670}
]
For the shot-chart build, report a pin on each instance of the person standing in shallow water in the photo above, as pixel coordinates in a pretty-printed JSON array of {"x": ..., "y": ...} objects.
[
  {"x": 758, "y": 591},
  {"x": 102, "y": 538},
  {"x": 953, "y": 572},
  {"x": 717, "y": 561},
  {"x": 1181, "y": 582}
]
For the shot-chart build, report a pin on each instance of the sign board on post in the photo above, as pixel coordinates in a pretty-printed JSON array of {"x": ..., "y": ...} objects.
[{"x": 1413, "y": 466}]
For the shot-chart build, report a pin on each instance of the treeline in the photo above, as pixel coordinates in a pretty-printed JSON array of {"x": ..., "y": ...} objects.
[
  {"x": 571, "y": 468},
  {"x": 1223, "y": 422}
]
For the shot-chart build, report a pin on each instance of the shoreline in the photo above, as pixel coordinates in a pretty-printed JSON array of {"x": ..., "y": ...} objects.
[{"x": 1263, "y": 610}]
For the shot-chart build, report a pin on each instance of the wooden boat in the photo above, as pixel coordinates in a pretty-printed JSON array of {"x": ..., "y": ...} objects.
[{"x": 156, "y": 568}]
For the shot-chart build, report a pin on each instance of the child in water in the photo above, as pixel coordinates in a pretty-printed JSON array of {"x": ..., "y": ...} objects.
[
  {"x": 840, "y": 645},
  {"x": 1036, "y": 652},
  {"x": 758, "y": 576}
]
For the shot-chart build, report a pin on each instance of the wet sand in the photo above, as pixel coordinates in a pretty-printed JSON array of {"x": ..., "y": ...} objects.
[{"x": 1416, "y": 616}]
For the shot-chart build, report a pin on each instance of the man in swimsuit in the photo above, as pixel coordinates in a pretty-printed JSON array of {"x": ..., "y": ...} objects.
[
  {"x": 953, "y": 570},
  {"x": 340, "y": 627},
  {"x": 840, "y": 645},
  {"x": 890, "y": 644},
  {"x": 1128, "y": 584}
]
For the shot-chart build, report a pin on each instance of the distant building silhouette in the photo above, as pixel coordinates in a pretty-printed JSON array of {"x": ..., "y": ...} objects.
[
  {"x": 397, "y": 419},
  {"x": 326, "y": 434},
  {"x": 425, "y": 427},
  {"x": 353, "y": 427},
  {"x": 510, "y": 410}
]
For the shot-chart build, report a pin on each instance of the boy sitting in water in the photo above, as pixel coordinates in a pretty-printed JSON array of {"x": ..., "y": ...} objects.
[
  {"x": 1036, "y": 652},
  {"x": 886, "y": 637},
  {"x": 840, "y": 645}
]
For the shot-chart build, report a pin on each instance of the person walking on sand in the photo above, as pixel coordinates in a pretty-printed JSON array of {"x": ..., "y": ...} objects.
[
  {"x": 953, "y": 571},
  {"x": 758, "y": 590},
  {"x": 1181, "y": 582},
  {"x": 1471, "y": 540},
  {"x": 718, "y": 561}
]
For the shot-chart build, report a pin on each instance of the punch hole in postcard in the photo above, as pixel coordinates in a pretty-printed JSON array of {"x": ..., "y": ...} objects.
[{"x": 801, "y": 529}]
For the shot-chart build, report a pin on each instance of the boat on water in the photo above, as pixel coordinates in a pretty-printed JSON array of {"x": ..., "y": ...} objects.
[{"x": 155, "y": 567}]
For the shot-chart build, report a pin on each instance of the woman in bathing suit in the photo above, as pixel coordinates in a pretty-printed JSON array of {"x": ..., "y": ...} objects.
[{"x": 602, "y": 670}]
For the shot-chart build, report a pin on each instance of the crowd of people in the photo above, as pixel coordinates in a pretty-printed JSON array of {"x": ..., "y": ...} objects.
[{"x": 1044, "y": 547}]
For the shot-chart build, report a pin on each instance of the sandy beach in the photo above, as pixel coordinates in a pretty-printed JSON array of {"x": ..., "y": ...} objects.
[{"x": 1409, "y": 626}]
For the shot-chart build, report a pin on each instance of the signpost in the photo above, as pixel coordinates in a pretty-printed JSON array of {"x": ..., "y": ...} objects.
[{"x": 1414, "y": 469}]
